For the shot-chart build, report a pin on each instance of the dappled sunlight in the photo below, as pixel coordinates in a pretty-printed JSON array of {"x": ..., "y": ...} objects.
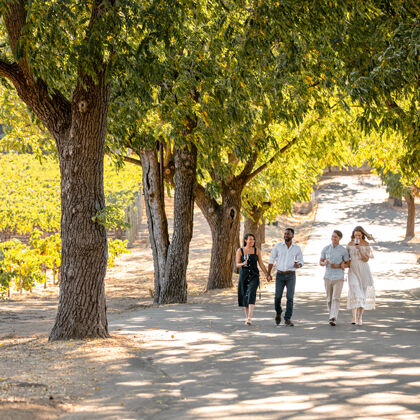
[
  {"x": 200, "y": 361},
  {"x": 225, "y": 369}
]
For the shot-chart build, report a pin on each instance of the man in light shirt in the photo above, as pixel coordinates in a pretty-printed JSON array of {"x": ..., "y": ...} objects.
[
  {"x": 288, "y": 257},
  {"x": 335, "y": 258}
]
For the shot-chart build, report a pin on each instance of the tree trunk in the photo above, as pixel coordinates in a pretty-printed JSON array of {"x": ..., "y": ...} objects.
[
  {"x": 79, "y": 129},
  {"x": 411, "y": 216},
  {"x": 174, "y": 287},
  {"x": 82, "y": 308},
  {"x": 170, "y": 258},
  {"x": 224, "y": 224},
  {"x": 255, "y": 224},
  {"x": 156, "y": 216},
  {"x": 397, "y": 202}
]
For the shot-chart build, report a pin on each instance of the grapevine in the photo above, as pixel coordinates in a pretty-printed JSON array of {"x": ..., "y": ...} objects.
[{"x": 30, "y": 243}]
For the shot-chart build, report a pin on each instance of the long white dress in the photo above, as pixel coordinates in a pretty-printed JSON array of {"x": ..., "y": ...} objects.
[{"x": 361, "y": 288}]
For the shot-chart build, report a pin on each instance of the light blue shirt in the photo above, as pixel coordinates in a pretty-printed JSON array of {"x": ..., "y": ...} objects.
[{"x": 335, "y": 255}]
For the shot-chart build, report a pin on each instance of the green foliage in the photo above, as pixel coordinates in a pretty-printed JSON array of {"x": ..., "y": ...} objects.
[
  {"x": 31, "y": 206},
  {"x": 23, "y": 133},
  {"x": 111, "y": 217},
  {"x": 393, "y": 183},
  {"x": 21, "y": 264},
  {"x": 60, "y": 39},
  {"x": 379, "y": 52},
  {"x": 116, "y": 248},
  {"x": 25, "y": 265},
  {"x": 31, "y": 193}
]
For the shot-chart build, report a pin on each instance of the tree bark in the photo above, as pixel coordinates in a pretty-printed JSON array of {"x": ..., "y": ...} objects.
[
  {"x": 79, "y": 129},
  {"x": 411, "y": 216},
  {"x": 170, "y": 257},
  {"x": 156, "y": 215},
  {"x": 224, "y": 225},
  {"x": 255, "y": 224},
  {"x": 82, "y": 308},
  {"x": 174, "y": 286}
]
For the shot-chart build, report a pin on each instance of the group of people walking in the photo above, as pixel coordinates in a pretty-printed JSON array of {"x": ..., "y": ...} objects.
[{"x": 287, "y": 257}]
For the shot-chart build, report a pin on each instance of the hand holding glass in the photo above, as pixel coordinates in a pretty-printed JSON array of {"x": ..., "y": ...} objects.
[{"x": 327, "y": 259}]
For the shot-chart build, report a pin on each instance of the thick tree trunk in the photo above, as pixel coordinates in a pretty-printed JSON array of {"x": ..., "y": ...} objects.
[
  {"x": 170, "y": 258},
  {"x": 224, "y": 224},
  {"x": 156, "y": 216},
  {"x": 79, "y": 129},
  {"x": 82, "y": 308},
  {"x": 174, "y": 287},
  {"x": 411, "y": 216}
]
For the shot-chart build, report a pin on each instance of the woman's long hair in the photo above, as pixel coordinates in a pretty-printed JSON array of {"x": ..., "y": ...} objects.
[
  {"x": 247, "y": 235},
  {"x": 363, "y": 232}
]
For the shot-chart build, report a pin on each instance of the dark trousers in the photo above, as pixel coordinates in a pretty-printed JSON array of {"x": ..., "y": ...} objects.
[{"x": 283, "y": 280}]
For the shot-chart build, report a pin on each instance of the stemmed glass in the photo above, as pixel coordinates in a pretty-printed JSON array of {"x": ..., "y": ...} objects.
[{"x": 328, "y": 258}]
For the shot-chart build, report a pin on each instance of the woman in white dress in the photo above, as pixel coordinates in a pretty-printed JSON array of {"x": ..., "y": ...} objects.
[{"x": 361, "y": 293}]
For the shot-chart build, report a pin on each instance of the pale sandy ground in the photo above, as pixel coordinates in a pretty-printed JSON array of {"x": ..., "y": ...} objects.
[
  {"x": 49, "y": 379},
  {"x": 43, "y": 378}
]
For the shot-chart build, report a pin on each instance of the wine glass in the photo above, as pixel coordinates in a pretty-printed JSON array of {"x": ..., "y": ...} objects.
[
  {"x": 246, "y": 258},
  {"x": 327, "y": 259}
]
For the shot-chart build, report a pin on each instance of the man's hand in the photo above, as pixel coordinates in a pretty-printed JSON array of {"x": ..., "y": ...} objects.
[{"x": 297, "y": 265}]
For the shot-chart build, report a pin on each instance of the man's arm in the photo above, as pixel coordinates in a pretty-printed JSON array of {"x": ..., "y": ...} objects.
[
  {"x": 271, "y": 261},
  {"x": 322, "y": 259},
  {"x": 270, "y": 267},
  {"x": 300, "y": 262}
]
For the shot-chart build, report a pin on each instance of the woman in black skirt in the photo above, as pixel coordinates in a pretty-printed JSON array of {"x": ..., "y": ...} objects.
[{"x": 247, "y": 259}]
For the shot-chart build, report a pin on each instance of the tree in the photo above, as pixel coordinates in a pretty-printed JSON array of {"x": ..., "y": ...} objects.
[
  {"x": 59, "y": 57},
  {"x": 378, "y": 69},
  {"x": 158, "y": 125},
  {"x": 395, "y": 188}
]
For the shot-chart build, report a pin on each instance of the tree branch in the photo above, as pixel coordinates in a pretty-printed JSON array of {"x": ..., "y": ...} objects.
[
  {"x": 11, "y": 71},
  {"x": 33, "y": 92},
  {"x": 131, "y": 160},
  {"x": 263, "y": 166},
  {"x": 248, "y": 168},
  {"x": 207, "y": 205}
]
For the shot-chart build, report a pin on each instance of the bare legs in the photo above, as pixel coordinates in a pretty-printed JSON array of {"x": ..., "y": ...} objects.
[
  {"x": 354, "y": 317},
  {"x": 249, "y": 311},
  {"x": 357, "y": 314}
]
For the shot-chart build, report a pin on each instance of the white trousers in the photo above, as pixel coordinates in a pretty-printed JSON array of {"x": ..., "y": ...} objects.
[{"x": 333, "y": 289}]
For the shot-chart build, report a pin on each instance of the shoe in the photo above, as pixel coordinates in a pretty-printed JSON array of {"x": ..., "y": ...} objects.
[
  {"x": 360, "y": 322},
  {"x": 289, "y": 323},
  {"x": 353, "y": 322},
  {"x": 332, "y": 322},
  {"x": 248, "y": 322},
  {"x": 278, "y": 319}
]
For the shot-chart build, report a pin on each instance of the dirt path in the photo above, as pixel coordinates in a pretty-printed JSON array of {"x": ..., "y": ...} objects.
[
  {"x": 48, "y": 379},
  {"x": 199, "y": 361}
]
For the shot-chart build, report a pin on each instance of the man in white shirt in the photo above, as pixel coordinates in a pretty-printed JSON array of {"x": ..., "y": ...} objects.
[{"x": 289, "y": 257}]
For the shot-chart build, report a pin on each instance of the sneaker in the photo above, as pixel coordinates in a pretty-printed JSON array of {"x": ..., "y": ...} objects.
[
  {"x": 332, "y": 322},
  {"x": 278, "y": 319},
  {"x": 289, "y": 323}
]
